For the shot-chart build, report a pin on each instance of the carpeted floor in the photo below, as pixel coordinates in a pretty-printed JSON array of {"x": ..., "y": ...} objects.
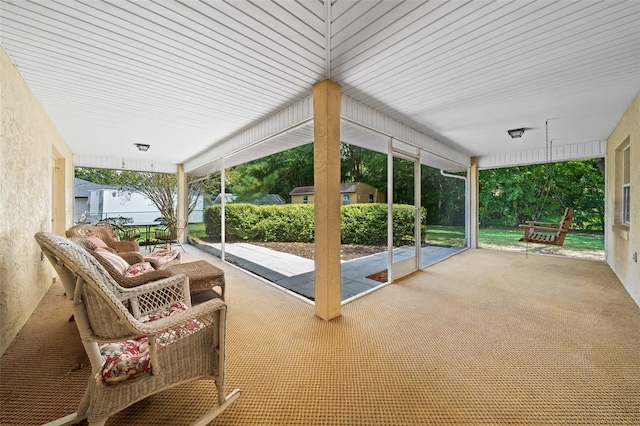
[{"x": 485, "y": 337}]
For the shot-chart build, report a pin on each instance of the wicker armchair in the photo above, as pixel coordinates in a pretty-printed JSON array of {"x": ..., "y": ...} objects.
[
  {"x": 105, "y": 232},
  {"x": 184, "y": 343}
]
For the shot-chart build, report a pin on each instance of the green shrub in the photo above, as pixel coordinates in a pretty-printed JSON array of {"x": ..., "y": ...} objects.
[
  {"x": 290, "y": 222},
  {"x": 363, "y": 224},
  {"x": 211, "y": 219},
  {"x": 360, "y": 223},
  {"x": 367, "y": 223},
  {"x": 240, "y": 218}
]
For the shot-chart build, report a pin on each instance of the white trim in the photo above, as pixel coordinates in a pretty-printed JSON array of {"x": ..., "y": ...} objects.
[
  {"x": 575, "y": 151},
  {"x": 283, "y": 121},
  {"x": 362, "y": 115},
  {"x": 327, "y": 38},
  {"x": 122, "y": 163}
]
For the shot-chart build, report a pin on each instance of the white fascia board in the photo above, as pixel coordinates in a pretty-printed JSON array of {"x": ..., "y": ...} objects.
[
  {"x": 282, "y": 121},
  {"x": 567, "y": 152},
  {"x": 121, "y": 163},
  {"x": 362, "y": 115}
]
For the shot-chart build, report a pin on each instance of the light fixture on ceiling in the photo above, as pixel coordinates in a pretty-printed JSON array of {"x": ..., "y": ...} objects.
[
  {"x": 515, "y": 133},
  {"x": 142, "y": 147}
]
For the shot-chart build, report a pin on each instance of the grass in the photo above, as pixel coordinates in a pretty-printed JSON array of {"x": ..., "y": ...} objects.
[
  {"x": 197, "y": 230},
  {"x": 488, "y": 238},
  {"x": 574, "y": 241},
  {"x": 445, "y": 235}
]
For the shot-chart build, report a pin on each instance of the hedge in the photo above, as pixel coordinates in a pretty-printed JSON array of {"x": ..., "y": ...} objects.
[{"x": 359, "y": 223}]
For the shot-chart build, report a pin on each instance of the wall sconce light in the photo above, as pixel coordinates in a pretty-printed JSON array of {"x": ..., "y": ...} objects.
[
  {"x": 142, "y": 147},
  {"x": 515, "y": 133}
]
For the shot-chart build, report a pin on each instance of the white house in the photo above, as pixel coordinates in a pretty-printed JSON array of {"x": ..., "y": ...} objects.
[{"x": 95, "y": 202}]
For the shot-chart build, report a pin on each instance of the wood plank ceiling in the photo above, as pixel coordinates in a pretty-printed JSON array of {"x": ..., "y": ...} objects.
[{"x": 185, "y": 75}]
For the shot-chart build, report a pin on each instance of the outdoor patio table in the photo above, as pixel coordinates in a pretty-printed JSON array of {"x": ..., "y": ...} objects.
[{"x": 147, "y": 233}]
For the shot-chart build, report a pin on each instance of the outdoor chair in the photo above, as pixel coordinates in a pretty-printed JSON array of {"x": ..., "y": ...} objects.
[
  {"x": 127, "y": 233},
  {"x": 167, "y": 235},
  {"x": 139, "y": 341},
  {"x": 104, "y": 232},
  {"x": 548, "y": 232}
]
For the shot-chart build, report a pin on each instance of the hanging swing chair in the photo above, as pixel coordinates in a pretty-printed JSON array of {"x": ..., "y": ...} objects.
[{"x": 548, "y": 232}]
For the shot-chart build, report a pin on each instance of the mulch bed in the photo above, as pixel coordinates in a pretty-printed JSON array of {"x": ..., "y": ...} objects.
[
  {"x": 347, "y": 251},
  {"x": 382, "y": 276}
]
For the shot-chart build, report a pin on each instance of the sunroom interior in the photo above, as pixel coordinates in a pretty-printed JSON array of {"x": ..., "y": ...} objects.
[{"x": 209, "y": 85}]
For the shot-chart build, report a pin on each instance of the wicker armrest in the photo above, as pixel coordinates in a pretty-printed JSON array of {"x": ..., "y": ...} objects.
[
  {"x": 154, "y": 262},
  {"x": 201, "y": 312},
  {"x": 132, "y": 257},
  {"x": 155, "y": 295}
]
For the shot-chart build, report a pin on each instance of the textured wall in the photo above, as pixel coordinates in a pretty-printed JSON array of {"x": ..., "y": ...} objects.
[
  {"x": 28, "y": 141},
  {"x": 623, "y": 242}
]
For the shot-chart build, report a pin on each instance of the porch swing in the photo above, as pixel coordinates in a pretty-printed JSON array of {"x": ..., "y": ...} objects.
[{"x": 549, "y": 233}]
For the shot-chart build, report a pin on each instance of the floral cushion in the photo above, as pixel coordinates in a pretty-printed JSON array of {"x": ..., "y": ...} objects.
[
  {"x": 129, "y": 359},
  {"x": 163, "y": 257},
  {"x": 138, "y": 269}
]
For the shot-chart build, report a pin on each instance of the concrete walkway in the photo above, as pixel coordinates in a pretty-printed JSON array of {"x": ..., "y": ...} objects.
[{"x": 297, "y": 274}]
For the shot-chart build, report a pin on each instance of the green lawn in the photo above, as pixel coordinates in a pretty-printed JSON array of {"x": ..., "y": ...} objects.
[
  {"x": 508, "y": 239},
  {"x": 489, "y": 238},
  {"x": 574, "y": 242},
  {"x": 197, "y": 230},
  {"x": 445, "y": 235}
]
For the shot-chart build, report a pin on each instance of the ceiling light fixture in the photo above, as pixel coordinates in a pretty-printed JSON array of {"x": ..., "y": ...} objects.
[
  {"x": 142, "y": 147},
  {"x": 515, "y": 133}
]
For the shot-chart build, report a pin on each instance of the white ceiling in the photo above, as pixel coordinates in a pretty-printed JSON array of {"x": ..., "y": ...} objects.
[{"x": 185, "y": 75}]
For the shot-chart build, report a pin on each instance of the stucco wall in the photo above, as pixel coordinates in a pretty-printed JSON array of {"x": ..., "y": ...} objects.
[
  {"x": 28, "y": 142},
  {"x": 622, "y": 242}
]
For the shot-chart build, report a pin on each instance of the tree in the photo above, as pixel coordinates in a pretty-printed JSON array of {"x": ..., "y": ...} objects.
[
  {"x": 512, "y": 195},
  {"x": 159, "y": 188},
  {"x": 443, "y": 197},
  {"x": 275, "y": 174}
]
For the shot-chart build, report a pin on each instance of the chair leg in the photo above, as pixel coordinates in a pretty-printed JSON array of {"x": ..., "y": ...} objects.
[
  {"x": 78, "y": 416},
  {"x": 217, "y": 410},
  {"x": 69, "y": 420}
]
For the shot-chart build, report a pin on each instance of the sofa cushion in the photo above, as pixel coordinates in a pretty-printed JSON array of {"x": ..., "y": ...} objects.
[
  {"x": 118, "y": 263},
  {"x": 97, "y": 242}
]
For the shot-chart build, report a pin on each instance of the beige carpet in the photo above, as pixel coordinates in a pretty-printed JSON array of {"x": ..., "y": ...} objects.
[{"x": 472, "y": 340}]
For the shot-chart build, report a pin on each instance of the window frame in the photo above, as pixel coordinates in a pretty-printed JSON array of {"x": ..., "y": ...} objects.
[{"x": 626, "y": 186}]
